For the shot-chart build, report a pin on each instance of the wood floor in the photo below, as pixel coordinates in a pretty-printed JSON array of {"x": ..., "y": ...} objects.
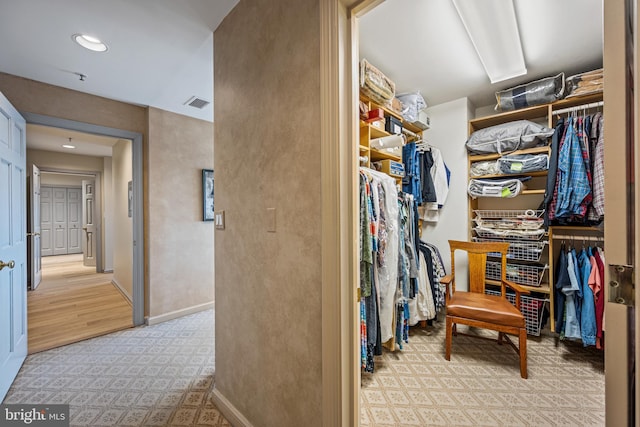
[{"x": 73, "y": 303}]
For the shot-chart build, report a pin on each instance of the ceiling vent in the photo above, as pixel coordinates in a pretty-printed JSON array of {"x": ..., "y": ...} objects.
[{"x": 196, "y": 102}]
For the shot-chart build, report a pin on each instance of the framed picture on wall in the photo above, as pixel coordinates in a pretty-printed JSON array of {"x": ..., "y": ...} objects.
[{"x": 207, "y": 194}]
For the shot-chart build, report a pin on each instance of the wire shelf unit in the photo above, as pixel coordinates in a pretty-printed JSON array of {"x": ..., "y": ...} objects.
[
  {"x": 508, "y": 213},
  {"x": 531, "y": 308},
  {"x": 519, "y": 250},
  {"x": 491, "y": 233}
]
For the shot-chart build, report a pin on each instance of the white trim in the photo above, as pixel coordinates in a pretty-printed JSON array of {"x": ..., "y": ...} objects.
[
  {"x": 124, "y": 293},
  {"x": 154, "y": 320},
  {"x": 230, "y": 412}
]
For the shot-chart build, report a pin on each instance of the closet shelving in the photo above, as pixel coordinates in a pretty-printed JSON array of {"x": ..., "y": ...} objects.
[
  {"x": 531, "y": 260},
  {"x": 368, "y": 132}
]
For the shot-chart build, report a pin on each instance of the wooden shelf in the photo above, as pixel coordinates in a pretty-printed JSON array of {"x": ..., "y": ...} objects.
[
  {"x": 576, "y": 228},
  {"x": 511, "y": 175},
  {"x": 484, "y": 157},
  {"x": 578, "y": 100},
  {"x": 542, "y": 289},
  {"x": 363, "y": 148},
  {"x": 383, "y": 155},
  {"x": 410, "y": 126},
  {"x": 509, "y": 116},
  {"x": 378, "y": 133}
]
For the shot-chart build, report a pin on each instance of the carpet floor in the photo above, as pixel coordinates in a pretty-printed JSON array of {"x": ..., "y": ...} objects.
[
  {"x": 481, "y": 384},
  {"x": 162, "y": 375}
]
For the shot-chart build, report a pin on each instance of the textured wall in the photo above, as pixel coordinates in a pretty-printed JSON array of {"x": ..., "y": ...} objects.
[
  {"x": 122, "y": 233},
  {"x": 268, "y": 285},
  {"x": 181, "y": 245}
]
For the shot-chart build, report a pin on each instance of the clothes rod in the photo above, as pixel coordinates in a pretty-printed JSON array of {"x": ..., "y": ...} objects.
[
  {"x": 580, "y": 107},
  {"x": 578, "y": 238}
]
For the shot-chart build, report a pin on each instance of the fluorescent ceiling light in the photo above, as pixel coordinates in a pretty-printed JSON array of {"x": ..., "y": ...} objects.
[
  {"x": 89, "y": 42},
  {"x": 68, "y": 146},
  {"x": 493, "y": 30}
]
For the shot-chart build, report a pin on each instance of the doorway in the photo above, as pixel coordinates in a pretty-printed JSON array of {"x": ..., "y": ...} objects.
[
  {"x": 129, "y": 200},
  {"x": 82, "y": 184}
]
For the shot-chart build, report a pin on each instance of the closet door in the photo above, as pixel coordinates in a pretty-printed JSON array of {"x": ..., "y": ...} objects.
[
  {"x": 46, "y": 221},
  {"x": 74, "y": 220},
  {"x": 59, "y": 221}
]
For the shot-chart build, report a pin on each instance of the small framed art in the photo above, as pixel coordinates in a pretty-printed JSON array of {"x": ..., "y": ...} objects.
[{"x": 207, "y": 194}]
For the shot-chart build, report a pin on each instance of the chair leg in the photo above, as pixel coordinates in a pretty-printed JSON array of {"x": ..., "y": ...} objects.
[
  {"x": 500, "y": 337},
  {"x": 523, "y": 353},
  {"x": 447, "y": 348},
  {"x": 455, "y": 330}
]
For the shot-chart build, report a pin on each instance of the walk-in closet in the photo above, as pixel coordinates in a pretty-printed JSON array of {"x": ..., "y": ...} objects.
[{"x": 483, "y": 124}]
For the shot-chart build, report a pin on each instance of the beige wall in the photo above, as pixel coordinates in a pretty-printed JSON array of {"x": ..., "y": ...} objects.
[
  {"x": 71, "y": 162},
  {"x": 122, "y": 231},
  {"x": 268, "y": 285},
  {"x": 175, "y": 237},
  {"x": 181, "y": 246}
]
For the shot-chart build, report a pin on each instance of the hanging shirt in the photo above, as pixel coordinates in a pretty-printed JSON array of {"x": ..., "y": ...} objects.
[
  {"x": 588, "y": 327},
  {"x": 573, "y": 185},
  {"x": 598, "y": 171},
  {"x": 572, "y": 323}
]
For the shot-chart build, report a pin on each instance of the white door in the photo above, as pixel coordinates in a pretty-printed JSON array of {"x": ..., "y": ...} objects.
[
  {"x": 88, "y": 223},
  {"x": 59, "y": 221},
  {"x": 13, "y": 247},
  {"x": 35, "y": 270},
  {"x": 46, "y": 225},
  {"x": 74, "y": 220}
]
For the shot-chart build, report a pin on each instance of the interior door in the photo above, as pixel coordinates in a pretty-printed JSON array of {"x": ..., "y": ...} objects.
[
  {"x": 88, "y": 223},
  {"x": 13, "y": 247},
  {"x": 34, "y": 241},
  {"x": 46, "y": 224},
  {"x": 74, "y": 220},
  {"x": 59, "y": 221},
  {"x": 621, "y": 200}
]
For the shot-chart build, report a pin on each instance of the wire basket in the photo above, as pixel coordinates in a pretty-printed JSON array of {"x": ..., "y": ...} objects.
[
  {"x": 519, "y": 250},
  {"x": 509, "y": 213},
  {"x": 492, "y": 233},
  {"x": 529, "y": 275},
  {"x": 530, "y": 307},
  {"x": 511, "y": 223}
]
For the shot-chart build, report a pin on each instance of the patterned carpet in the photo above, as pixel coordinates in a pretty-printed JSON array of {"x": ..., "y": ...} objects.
[
  {"x": 163, "y": 375},
  {"x": 481, "y": 385},
  {"x": 160, "y": 375}
]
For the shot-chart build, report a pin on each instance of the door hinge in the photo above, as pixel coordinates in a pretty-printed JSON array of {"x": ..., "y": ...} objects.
[{"x": 622, "y": 284}]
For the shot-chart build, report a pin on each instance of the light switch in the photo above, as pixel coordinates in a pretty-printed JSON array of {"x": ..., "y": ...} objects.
[
  {"x": 219, "y": 220},
  {"x": 271, "y": 220}
]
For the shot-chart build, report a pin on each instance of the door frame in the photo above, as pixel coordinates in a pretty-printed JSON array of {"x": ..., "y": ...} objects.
[{"x": 137, "y": 201}]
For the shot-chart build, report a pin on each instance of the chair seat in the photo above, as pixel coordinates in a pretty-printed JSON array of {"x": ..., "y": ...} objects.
[{"x": 487, "y": 308}]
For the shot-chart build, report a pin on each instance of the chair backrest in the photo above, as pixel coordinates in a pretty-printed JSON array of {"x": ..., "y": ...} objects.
[{"x": 477, "y": 255}]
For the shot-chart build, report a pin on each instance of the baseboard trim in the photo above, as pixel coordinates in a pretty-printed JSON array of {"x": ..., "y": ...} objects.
[
  {"x": 124, "y": 293},
  {"x": 229, "y": 411},
  {"x": 154, "y": 320}
]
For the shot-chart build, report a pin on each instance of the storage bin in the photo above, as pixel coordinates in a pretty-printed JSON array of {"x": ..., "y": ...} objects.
[
  {"x": 519, "y": 250},
  {"x": 393, "y": 125},
  {"x": 522, "y": 274},
  {"x": 391, "y": 167}
]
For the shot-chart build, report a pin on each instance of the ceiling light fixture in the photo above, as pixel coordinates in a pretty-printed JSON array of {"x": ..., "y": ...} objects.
[
  {"x": 69, "y": 145},
  {"x": 493, "y": 30},
  {"x": 89, "y": 42}
]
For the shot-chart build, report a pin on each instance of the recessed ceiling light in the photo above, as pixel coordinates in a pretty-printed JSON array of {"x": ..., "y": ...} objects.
[
  {"x": 68, "y": 146},
  {"x": 89, "y": 42}
]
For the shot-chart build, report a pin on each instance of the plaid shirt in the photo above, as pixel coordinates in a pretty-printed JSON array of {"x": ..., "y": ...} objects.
[
  {"x": 598, "y": 171},
  {"x": 574, "y": 192}
]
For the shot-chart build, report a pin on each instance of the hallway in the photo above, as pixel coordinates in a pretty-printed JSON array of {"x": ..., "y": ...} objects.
[{"x": 73, "y": 303}]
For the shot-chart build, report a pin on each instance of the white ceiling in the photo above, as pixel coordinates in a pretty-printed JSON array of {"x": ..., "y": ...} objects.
[
  {"x": 422, "y": 45},
  {"x": 160, "y": 51},
  {"x": 51, "y": 139}
]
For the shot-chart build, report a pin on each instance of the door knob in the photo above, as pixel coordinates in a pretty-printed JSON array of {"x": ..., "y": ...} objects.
[
  {"x": 9, "y": 264},
  {"x": 33, "y": 234}
]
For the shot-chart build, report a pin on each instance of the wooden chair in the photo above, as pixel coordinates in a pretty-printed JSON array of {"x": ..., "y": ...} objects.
[{"x": 475, "y": 308}]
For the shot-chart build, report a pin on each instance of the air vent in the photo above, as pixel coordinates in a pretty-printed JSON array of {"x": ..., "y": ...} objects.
[{"x": 196, "y": 102}]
